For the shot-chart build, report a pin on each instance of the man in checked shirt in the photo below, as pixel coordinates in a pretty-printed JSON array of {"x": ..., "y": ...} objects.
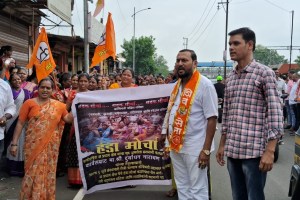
[{"x": 252, "y": 119}]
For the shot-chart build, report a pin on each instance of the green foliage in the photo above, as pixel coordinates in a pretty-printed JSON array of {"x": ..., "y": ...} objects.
[
  {"x": 146, "y": 60},
  {"x": 297, "y": 60},
  {"x": 161, "y": 66},
  {"x": 268, "y": 56}
]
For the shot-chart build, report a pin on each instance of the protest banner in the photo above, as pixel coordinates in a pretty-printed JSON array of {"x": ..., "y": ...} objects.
[{"x": 118, "y": 137}]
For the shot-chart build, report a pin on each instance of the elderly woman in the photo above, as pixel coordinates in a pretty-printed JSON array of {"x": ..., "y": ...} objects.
[
  {"x": 30, "y": 86},
  {"x": 15, "y": 164},
  {"x": 127, "y": 77},
  {"x": 45, "y": 118}
]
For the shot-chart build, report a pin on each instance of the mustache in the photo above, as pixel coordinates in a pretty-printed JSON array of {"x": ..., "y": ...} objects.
[{"x": 180, "y": 68}]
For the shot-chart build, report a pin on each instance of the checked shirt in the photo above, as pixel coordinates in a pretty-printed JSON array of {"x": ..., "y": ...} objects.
[{"x": 252, "y": 113}]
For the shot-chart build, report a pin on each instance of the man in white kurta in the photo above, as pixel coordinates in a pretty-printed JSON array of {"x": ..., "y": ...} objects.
[
  {"x": 7, "y": 109},
  {"x": 191, "y": 161}
]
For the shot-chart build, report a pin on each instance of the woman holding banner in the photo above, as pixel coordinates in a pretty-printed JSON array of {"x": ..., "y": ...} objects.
[
  {"x": 45, "y": 118},
  {"x": 74, "y": 177},
  {"x": 127, "y": 77}
]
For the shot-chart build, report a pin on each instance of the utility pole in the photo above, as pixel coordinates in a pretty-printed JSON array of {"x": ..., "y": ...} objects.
[
  {"x": 133, "y": 51},
  {"x": 185, "y": 42},
  {"x": 86, "y": 41},
  {"x": 226, "y": 30},
  {"x": 291, "y": 46}
]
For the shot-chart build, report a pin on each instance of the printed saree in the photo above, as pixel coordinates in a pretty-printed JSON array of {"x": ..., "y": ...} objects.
[{"x": 41, "y": 147}]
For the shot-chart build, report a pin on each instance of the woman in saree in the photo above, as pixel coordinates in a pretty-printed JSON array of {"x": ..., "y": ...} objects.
[
  {"x": 15, "y": 164},
  {"x": 127, "y": 77},
  {"x": 45, "y": 119},
  {"x": 74, "y": 177}
]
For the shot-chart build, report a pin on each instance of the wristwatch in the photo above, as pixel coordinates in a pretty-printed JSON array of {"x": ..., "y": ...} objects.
[{"x": 206, "y": 152}]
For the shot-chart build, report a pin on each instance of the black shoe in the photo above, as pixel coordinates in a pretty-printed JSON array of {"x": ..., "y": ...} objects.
[{"x": 287, "y": 126}]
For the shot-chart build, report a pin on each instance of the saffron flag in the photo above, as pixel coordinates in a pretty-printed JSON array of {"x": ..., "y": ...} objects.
[
  {"x": 42, "y": 57},
  {"x": 99, "y": 7},
  {"x": 107, "y": 44}
]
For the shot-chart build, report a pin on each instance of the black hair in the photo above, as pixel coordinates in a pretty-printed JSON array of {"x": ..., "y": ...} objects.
[
  {"x": 94, "y": 77},
  {"x": 63, "y": 78},
  {"x": 74, "y": 75},
  {"x": 33, "y": 74},
  {"x": 11, "y": 77},
  {"x": 193, "y": 54},
  {"x": 12, "y": 68},
  {"x": 46, "y": 79},
  {"x": 129, "y": 69},
  {"x": 247, "y": 34},
  {"x": 83, "y": 75},
  {"x": 292, "y": 72},
  {"x": 5, "y": 49}
]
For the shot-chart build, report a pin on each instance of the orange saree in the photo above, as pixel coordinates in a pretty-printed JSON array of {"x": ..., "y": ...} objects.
[{"x": 41, "y": 147}]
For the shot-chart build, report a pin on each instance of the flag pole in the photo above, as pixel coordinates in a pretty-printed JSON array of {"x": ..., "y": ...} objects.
[{"x": 86, "y": 41}]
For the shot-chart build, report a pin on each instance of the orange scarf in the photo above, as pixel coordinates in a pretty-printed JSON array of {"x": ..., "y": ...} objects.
[{"x": 187, "y": 97}]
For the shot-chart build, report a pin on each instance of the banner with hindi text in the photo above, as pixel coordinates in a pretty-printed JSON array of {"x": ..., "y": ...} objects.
[{"x": 118, "y": 136}]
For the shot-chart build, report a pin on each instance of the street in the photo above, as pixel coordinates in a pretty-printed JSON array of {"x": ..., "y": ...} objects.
[{"x": 276, "y": 187}]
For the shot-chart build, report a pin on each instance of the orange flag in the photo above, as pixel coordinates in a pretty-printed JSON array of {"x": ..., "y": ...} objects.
[
  {"x": 99, "y": 7},
  {"x": 42, "y": 57},
  {"x": 107, "y": 44}
]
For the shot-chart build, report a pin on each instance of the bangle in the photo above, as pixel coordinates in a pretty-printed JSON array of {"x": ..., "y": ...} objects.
[{"x": 13, "y": 145}]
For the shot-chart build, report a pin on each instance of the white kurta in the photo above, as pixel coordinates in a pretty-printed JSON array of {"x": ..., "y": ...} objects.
[{"x": 191, "y": 181}]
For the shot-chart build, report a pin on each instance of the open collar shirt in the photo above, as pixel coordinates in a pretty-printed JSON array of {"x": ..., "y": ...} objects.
[{"x": 252, "y": 113}]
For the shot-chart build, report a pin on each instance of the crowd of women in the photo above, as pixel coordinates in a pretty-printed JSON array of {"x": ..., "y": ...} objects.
[{"x": 39, "y": 145}]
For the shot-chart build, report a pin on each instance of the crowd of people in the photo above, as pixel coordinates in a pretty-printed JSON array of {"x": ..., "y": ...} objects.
[
  {"x": 31, "y": 137},
  {"x": 251, "y": 102}
]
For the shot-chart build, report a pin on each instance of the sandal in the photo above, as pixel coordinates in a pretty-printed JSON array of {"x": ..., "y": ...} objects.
[{"x": 172, "y": 193}]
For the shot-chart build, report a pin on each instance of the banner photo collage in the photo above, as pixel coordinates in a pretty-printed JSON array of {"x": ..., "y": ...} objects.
[{"x": 118, "y": 137}]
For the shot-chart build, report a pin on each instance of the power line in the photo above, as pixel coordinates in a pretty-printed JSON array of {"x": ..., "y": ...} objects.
[
  {"x": 277, "y": 6},
  {"x": 205, "y": 27},
  {"x": 200, "y": 18},
  {"x": 203, "y": 21}
]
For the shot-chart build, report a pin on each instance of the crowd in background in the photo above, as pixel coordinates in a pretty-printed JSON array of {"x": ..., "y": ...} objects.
[{"x": 25, "y": 87}]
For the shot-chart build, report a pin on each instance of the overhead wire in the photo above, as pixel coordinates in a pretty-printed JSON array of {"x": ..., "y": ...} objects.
[
  {"x": 199, "y": 19},
  {"x": 191, "y": 38},
  {"x": 281, "y": 8},
  {"x": 206, "y": 27}
]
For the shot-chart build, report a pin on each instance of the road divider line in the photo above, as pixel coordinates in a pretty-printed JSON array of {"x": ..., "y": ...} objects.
[{"x": 79, "y": 195}]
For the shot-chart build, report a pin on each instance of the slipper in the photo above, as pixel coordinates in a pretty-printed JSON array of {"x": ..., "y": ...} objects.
[{"x": 171, "y": 193}]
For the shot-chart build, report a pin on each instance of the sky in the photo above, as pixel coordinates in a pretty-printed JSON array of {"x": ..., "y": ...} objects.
[{"x": 169, "y": 21}]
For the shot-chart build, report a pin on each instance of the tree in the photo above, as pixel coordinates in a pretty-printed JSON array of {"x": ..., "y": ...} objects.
[
  {"x": 297, "y": 60},
  {"x": 161, "y": 66},
  {"x": 268, "y": 56},
  {"x": 146, "y": 59}
]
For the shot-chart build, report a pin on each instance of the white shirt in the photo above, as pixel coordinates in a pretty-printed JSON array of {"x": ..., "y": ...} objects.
[
  {"x": 6, "y": 103},
  {"x": 293, "y": 94},
  {"x": 205, "y": 106},
  {"x": 281, "y": 86}
]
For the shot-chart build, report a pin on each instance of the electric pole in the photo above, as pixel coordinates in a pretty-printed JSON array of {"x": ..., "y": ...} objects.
[
  {"x": 226, "y": 30},
  {"x": 185, "y": 42},
  {"x": 291, "y": 47}
]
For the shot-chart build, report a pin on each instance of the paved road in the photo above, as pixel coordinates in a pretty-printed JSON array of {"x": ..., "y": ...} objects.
[{"x": 276, "y": 186}]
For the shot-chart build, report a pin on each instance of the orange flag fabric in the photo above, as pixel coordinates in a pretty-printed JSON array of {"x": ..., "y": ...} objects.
[
  {"x": 107, "y": 44},
  {"x": 42, "y": 57},
  {"x": 99, "y": 7}
]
